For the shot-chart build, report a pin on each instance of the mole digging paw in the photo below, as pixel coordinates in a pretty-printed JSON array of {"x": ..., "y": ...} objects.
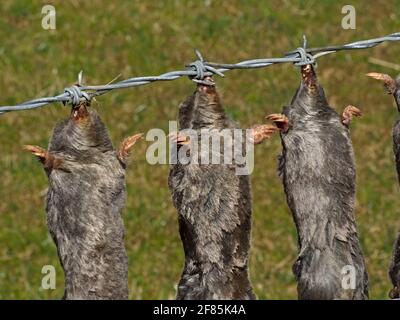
[
  {"x": 389, "y": 82},
  {"x": 48, "y": 160},
  {"x": 80, "y": 113},
  {"x": 280, "y": 120},
  {"x": 37, "y": 151},
  {"x": 179, "y": 138},
  {"x": 207, "y": 85},
  {"x": 261, "y": 132},
  {"x": 126, "y": 147},
  {"x": 348, "y": 114}
]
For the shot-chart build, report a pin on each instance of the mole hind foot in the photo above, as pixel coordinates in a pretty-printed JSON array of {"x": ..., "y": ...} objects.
[
  {"x": 389, "y": 82},
  {"x": 280, "y": 120},
  {"x": 348, "y": 114},
  {"x": 48, "y": 160},
  {"x": 261, "y": 132},
  {"x": 126, "y": 147}
]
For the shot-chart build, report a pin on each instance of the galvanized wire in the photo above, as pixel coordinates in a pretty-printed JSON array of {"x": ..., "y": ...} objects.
[
  {"x": 197, "y": 71},
  {"x": 363, "y": 44}
]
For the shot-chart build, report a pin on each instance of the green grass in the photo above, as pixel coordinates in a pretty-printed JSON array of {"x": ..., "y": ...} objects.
[{"x": 106, "y": 38}]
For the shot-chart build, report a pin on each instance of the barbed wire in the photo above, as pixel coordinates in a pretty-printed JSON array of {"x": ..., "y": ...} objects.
[
  {"x": 197, "y": 71},
  {"x": 363, "y": 44}
]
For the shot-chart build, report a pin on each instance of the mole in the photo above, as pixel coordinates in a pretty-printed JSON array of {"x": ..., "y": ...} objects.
[
  {"x": 393, "y": 88},
  {"x": 214, "y": 207},
  {"x": 318, "y": 172},
  {"x": 85, "y": 198}
]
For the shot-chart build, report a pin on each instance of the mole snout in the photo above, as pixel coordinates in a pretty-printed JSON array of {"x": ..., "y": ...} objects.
[
  {"x": 85, "y": 199},
  {"x": 80, "y": 113},
  {"x": 309, "y": 77}
]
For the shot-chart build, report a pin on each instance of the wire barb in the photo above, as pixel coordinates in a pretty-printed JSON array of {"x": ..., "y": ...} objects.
[
  {"x": 304, "y": 42},
  {"x": 202, "y": 70},
  {"x": 80, "y": 78}
]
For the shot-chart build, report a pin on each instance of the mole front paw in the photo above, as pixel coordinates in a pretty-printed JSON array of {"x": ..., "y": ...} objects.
[
  {"x": 280, "y": 120},
  {"x": 389, "y": 82},
  {"x": 261, "y": 132},
  {"x": 179, "y": 138},
  {"x": 348, "y": 114},
  {"x": 48, "y": 160},
  {"x": 126, "y": 147}
]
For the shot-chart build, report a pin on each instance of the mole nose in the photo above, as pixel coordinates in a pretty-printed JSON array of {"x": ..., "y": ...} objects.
[
  {"x": 307, "y": 68},
  {"x": 79, "y": 112},
  {"x": 308, "y": 76},
  {"x": 206, "y": 85}
]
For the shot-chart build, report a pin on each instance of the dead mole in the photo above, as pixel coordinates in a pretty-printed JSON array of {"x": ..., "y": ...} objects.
[
  {"x": 393, "y": 88},
  {"x": 214, "y": 207},
  {"x": 318, "y": 171},
  {"x": 84, "y": 202}
]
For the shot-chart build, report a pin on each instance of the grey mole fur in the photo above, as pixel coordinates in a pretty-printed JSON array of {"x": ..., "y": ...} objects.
[
  {"x": 214, "y": 213},
  {"x": 84, "y": 202},
  {"x": 318, "y": 171}
]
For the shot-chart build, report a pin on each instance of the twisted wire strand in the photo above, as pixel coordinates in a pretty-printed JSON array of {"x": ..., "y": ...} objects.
[
  {"x": 197, "y": 71},
  {"x": 363, "y": 44}
]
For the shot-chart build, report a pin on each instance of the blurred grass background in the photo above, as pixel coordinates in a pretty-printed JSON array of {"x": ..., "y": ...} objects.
[{"x": 105, "y": 38}]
